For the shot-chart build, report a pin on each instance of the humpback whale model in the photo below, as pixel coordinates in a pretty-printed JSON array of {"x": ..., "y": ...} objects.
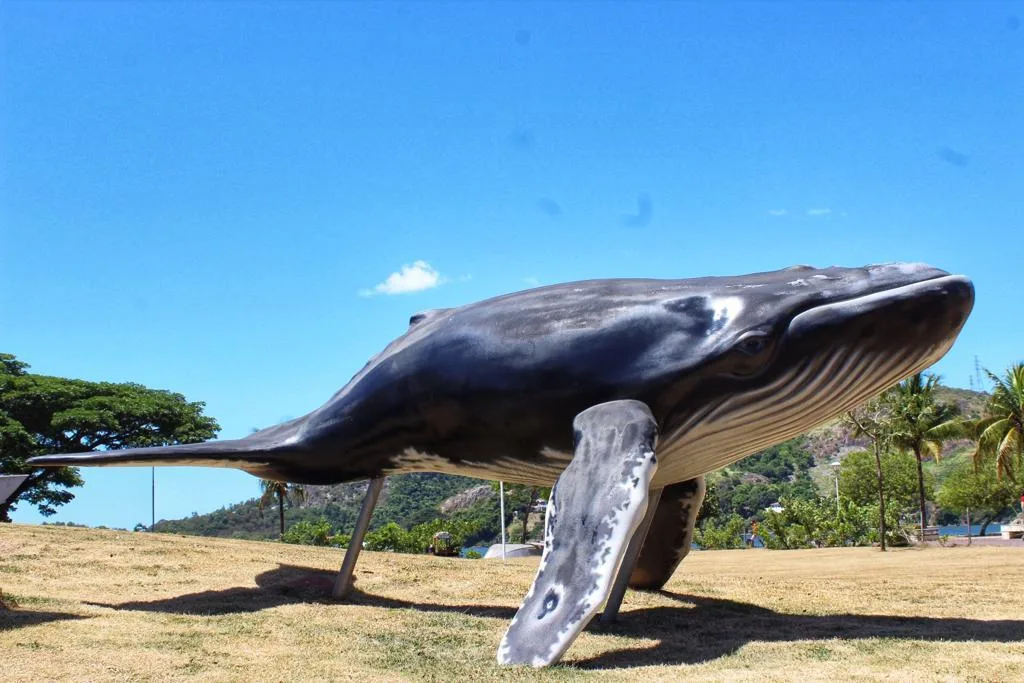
[{"x": 623, "y": 393}]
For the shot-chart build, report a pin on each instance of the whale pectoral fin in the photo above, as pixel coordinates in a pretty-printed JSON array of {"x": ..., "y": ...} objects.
[
  {"x": 595, "y": 507},
  {"x": 670, "y": 535}
]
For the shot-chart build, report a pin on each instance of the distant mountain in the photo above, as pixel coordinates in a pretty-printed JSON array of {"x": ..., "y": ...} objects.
[{"x": 407, "y": 499}]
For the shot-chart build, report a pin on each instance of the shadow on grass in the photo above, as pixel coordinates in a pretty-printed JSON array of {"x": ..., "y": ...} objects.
[
  {"x": 698, "y": 629},
  {"x": 11, "y": 619},
  {"x": 286, "y": 585},
  {"x": 702, "y": 629}
]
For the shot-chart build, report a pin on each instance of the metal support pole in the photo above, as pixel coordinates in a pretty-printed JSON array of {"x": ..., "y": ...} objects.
[
  {"x": 835, "y": 472},
  {"x": 343, "y": 584},
  {"x": 611, "y": 608},
  {"x": 501, "y": 492},
  {"x": 152, "y": 499}
]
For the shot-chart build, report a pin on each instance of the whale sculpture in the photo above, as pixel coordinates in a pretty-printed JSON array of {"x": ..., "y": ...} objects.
[{"x": 621, "y": 393}]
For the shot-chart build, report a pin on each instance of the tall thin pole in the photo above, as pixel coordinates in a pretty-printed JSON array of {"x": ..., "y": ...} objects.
[
  {"x": 501, "y": 494},
  {"x": 152, "y": 500},
  {"x": 835, "y": 472},
  {"x": 343, "y": 582}
]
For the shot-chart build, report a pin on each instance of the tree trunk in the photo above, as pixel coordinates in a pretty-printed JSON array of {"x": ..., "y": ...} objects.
[
  {"x": 985, "y": 523},
  {"x": 881, "y": 496},
  {"x": 532, "y": 496},
  {"x": 920, "y": 487},
  {"x": 280, "y": 510}
]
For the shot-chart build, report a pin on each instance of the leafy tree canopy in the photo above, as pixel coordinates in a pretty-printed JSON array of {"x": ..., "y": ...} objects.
[
  {"x": 858, "y": 481},
  {"x": 821, "y": 523},
  {"x": 40, "y": 414},
  {"x": 1000, "y": 433},
  {"x": 978, "y": 488}
]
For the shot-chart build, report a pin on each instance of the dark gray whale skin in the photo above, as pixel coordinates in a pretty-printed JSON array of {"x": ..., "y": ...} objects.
[{"x": 491, "y": 389}]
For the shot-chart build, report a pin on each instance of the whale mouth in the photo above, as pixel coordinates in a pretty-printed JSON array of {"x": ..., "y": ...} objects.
[{"x": 950, "y": 294}]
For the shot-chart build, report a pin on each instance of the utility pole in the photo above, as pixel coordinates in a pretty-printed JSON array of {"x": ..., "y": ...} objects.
[
  {"x": 152, "y": 499},
  {"x": 501, "y": 493},
  {"x": 835, "y": 470}
]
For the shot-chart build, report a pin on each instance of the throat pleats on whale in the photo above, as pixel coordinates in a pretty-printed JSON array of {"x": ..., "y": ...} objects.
[{"x": 790, "y": 405}]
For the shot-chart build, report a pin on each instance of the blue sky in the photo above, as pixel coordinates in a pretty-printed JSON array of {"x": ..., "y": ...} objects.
[{"x": 200, "y": 196}]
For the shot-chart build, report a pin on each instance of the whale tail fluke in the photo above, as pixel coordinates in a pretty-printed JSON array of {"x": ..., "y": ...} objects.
[{"x": 264, "y": 453}]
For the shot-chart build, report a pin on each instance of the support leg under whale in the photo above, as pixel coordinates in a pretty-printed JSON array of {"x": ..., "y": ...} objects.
[
  {"x": 595, "y": 507},
  {"x": 670, "y": 534},
  {"x": 343, "y": 582}
]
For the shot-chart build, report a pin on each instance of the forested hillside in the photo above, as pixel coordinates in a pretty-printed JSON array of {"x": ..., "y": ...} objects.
[{"x": 407, "y": 500}]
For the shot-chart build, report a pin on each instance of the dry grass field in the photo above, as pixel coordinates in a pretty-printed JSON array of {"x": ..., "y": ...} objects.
[{"x": 91, "y": 605}]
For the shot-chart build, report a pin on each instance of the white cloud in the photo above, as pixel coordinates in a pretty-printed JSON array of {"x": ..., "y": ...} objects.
[
  {"x": 532, "y": 281},
  {"x": 818, "y": 212},
  {"x": 776, "y": 212},
  {"x": 416, "y": 277}
]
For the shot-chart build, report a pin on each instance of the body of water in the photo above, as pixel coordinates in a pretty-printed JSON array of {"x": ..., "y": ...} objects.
[{"x": 961, "y": 530}]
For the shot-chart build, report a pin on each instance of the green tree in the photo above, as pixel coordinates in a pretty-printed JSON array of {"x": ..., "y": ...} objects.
[
  {"x": 1000, "y": 433},
  {"x": 282, "y": 491},
  {"x": 818, "y": 523},
  {"x": 920, "y": 425},
  {"x": 40, "y": 414},
  {"x": 858, "y": 480},
  {"x": 307, "y": 532},
  {"x": 979, "y": 489},
  {"x": 721, "y": 536},
  {"x": 868, "y": 421},
  {"x": 391, "y": 538}
]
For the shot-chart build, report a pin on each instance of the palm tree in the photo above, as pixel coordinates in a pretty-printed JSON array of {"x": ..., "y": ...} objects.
[
  {"x": 920, "y": 424},
  {"x": 1001, "y": 432},
  {"x": 282, "y": 491}
]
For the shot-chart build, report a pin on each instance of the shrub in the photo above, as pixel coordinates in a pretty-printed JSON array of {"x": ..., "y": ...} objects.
[
  {"x": 721, "y": 537},
  {"x": 817, "y": 523},
  {"x": 391, "y": 538},
  {"x": 309, "y": 533}
]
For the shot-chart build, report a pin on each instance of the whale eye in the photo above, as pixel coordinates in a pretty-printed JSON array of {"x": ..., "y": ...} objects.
[{"x": 753, "y": 344}]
